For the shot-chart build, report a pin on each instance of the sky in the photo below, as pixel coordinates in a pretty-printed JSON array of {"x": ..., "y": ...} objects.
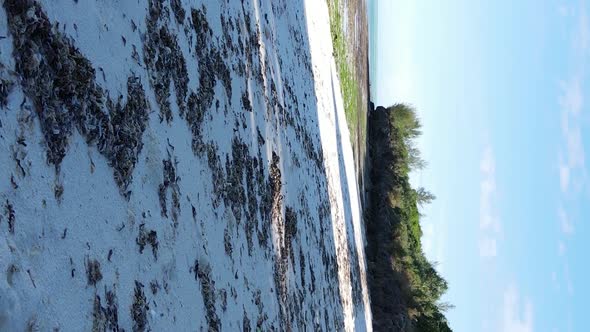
[{"x": 501, "y": 88}]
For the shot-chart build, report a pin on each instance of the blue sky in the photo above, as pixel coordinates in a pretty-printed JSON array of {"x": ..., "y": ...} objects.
[{"x": 501, "y": 87}]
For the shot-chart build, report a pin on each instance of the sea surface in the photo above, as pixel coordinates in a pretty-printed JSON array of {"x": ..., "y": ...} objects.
[{"x": 373, "y": 24}]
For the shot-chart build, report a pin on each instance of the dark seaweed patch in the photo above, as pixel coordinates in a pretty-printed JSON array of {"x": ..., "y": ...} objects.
[
  {"x": 227, "y": 242},
  {"x": 106, "y": 318},
  {"x": 235, "y": 194},
  {"x": 223, "y": 297},
  {"x": 10, "y": 215},
  {"x": 178, "y": 11},
  {"x": 112, "y": 311},
  {"x": 128, "y": 123},
  {"x": 271, "y": 200},
  {"x": 170, "y": 183},
  {"x": 6, "y": 86},
  {"x": 62, "y": 85},
  {"x": 139, "y": 309},
  {"x": 61, "y": 80},
  {"x": 154, "y": 286},
  {"x": 246, "y": 323},
  {"x": 246, "y": 101},
  {"x": 194, "y": 118},
  {"x": 302, "y": 270},
  {"x": 93, "y": 273},
  {"x": 203, "y": 276},
  {"x": 214, "y": 163},
  {"x": 58, "y": 191},
  {"x": 290, "y": 231},
  {"x": 262, "y": 316},
  {"x": 147, "y": 237},
  {"x": 211, "y": 64},
  {"x": 164, "y": 59}
]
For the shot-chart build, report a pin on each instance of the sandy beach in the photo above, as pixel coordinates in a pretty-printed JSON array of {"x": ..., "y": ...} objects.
[{"x": 177, "y": 165}]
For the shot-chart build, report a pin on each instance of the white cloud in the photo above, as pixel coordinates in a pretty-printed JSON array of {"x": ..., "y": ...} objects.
[
  {"x": 487, "y": 165},
  {"x": 515, "y": 318},
  {"x": 488, "y": 247},
  {"x": 572, "y": 100},
  {"x": 564, "y": 176},
  {"x": 487, "y": 190},
  {"x": 561, "y": 248},
  {"x": 572, "y": 103},
  {"x": 489, "y": 223},
  {"x": 563, "y": 10},
  {"x": 568, "y": 280},
  {"x": 565, "y": 121},
  {"x": 554, "y": 280},
  {"x": 567, "y": 227},
  {"x": 575, "y": 147},
  {"x": 582, "y": 34}
]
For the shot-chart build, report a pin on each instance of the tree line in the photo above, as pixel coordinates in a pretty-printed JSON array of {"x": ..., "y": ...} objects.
[{"x": 405, "y": 287}]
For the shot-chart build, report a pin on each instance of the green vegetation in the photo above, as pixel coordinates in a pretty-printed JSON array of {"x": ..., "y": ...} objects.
[
  {"x": 405, "y": 287},
  {"x": 348, "y": 84}
]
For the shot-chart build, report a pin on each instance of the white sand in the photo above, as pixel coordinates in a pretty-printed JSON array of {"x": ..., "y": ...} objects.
[{"x": 38, "y": 288}]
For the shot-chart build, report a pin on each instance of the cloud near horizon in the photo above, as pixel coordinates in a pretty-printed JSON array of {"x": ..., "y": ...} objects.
[
  {"x": 516, "y": 318},
  {"x": 568, "y": 279},
  {"x": 574, "y": 160},
  {"x": 571, "y": 102},
  {"x": 489, "y": 224},
  {"x": 581, "y": 41},
  {"x": 561, "y": 248},
  {"x": 567, "y": 227},
  {"x": 571, "y": 157}
]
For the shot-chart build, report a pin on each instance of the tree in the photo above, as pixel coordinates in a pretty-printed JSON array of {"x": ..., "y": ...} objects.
[
  {"x": 405, "y": 120},
  {"x": 414, "y": 160},
  {"x": 424, "y": 196}
]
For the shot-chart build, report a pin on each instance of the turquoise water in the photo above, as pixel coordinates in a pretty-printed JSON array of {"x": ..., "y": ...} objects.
[{"x": 372, "y": 9}]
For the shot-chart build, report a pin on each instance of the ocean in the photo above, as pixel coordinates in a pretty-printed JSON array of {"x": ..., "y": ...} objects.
[{"x": 372, "y": 6}]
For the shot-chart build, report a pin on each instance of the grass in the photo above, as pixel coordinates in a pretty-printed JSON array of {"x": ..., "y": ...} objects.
[{"x": 348, "y": 83}]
